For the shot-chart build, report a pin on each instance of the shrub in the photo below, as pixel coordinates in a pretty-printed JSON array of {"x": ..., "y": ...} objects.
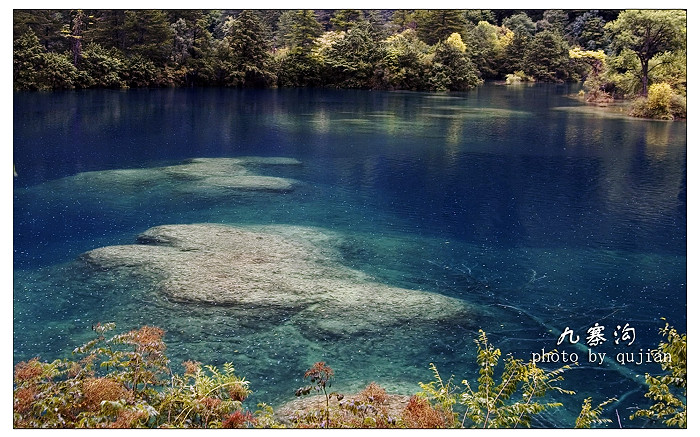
[
  {"x": 661, "y": 103},
  {"x": 420, "y": 414},
  {"x": 669, "y": 391},
  {"x": 518, "y": 77},
  {"x": 137, "y": 389}
]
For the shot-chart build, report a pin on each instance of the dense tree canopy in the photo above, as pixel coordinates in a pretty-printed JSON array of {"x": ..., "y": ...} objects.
[
  {"x": 648, "y": 33},
  {"x": 349, "y": 48}
]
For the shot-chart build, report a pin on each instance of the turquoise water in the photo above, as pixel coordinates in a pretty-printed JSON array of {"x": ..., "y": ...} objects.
[{"x": 532, "y": 211}]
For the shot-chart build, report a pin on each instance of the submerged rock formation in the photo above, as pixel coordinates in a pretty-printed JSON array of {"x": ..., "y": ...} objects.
[
  {"x": 207, "y": 176},
  {"x": 265, "y": 271}
]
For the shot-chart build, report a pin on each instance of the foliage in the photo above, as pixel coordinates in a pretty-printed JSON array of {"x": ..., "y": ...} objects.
[
  {"x": 547, "y": 57},
  {"x": 404, "y": 61},
  {"x": 452, "y": 70},
  {"x": 420, "y": 414},
  {"x": 320, "y": 374},
  {"x": 518, "y": 77},
  {"x": 669, "y": 391},
  {"x": 554, "y": 20},
  {"x": 350, "y": 57},
  {"x": 588, "y": 31},
  {"x": 434, "y": 26},
  {"x": 443, "y": 395},
  {"x": 27, "y": 61},
  {"x": 648, "y": 33},
  {"x": 590, "y": 416},
  {"x": 126, "y": 382},
  {"x": 487, "y": 45},
  {"x": 514, "y": 400},
  {"x": 440, "y": 50},
  {"x": 57, "y": 72},
  {"x": 521, "y": 25},
  {"x": 250, "y": 48},
  {"x": 661, "y": 103}
]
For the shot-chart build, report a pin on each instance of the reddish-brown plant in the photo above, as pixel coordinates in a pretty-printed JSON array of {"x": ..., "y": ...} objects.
[
  {"x": 192, "y": 367},
  {"x": 96, "y": 390},
  {"x": 319, "y": 373},
  {"x": 238, "y": 392},
  {"x": 420, "y": 414},
  {"x": 24, "y": 398},
  {"x": 238, "y": 419},
  {"x": 148, "y": 338},
  {"x": 128, "y": 419},
  {"x": 211, "y": 403},
  {"x": 373, "y": 394},
  {"x": 28, "y": 370}
]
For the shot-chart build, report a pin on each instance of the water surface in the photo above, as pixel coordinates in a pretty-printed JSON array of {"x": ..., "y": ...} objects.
[{"x": 515, "y": 200}]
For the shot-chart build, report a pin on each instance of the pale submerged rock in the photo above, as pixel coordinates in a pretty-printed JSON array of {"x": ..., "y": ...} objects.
[
  {"x": 197, "y": 175},
  {"x": 273, "y": 268}
]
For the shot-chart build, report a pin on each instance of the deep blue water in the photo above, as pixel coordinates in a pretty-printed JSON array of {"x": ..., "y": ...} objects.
[{"x": 521, "y": 201}]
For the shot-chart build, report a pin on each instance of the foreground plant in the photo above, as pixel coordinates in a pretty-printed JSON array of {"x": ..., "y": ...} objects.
[
  {"x": 132, "y": 386},
  {"x": 320, "y": 375},
  {"x": 669, "y": 391},
  {"x": 510, "y": 403},
  {"x": 590, "y": 415}
]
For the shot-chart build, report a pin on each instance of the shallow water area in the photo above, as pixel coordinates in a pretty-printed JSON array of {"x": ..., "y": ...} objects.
[{"x": 517, "y": 205}]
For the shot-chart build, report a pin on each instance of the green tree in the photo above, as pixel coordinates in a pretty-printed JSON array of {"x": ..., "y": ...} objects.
[
  {"x": 547, "y": 57},
  {"x": 475, "y": 16},
  {"x": 487, "y": 47},
  {"x": 343, "y": 19},
  {"x": 523, "y": 29},
  {"x": 521, "y": 24},
  {"x": 648, "y": 33},
  {"x": 58, "y": 72},
  {"x": 434, "y": 26},
  {"x": 554, "y": 20},
  {"x": 27, "y": 60},
  {"x": 46, "y": 24},
  {"x": 451, "y": 68},
  {"x": 350, "y": 59},
  {"x": 403, "y": 64},
  {"x": 298, "y": 30},
  {"x": 247, "y": 39},
  {"x": 588, "y": 31},
  {"x": 148, "y": 33},
  {"x": 403, "y": 19},
  {"x": 101, "y": 68}
]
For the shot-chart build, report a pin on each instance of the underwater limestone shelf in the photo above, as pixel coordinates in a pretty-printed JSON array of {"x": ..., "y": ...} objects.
[
  {"x": 270, "y": 270},
  {"x": 197, "y": 175}
]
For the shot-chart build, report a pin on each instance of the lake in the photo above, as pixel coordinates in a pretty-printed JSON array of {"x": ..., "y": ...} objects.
[{"x": 534, "y": 212}]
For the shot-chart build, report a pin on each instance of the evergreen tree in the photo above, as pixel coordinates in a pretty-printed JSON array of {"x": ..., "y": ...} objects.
[
  {"x": 46, "y": 25},
  {"x": 350, "y": 60},
  {"x": 554, "y": 20},
  {"x": 403, "y": 64},
  {"x": 247, "y": 39},
  {"x": 588, "y": 31},
  {"x": 343, "y": 19},
  {"x": 547, "y": 57},
  {"x": 452, "y": 70},
  {"x": 403, "y": 19},
  {"x": 434, "y": 26},
  {"x": 148, "y": 33},
  {"x": 523, "y": 29},
  {"x": 27, "y": 61}
]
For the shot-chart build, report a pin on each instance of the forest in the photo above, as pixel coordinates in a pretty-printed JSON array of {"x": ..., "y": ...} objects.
[{"x": 619, "y": 54}]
